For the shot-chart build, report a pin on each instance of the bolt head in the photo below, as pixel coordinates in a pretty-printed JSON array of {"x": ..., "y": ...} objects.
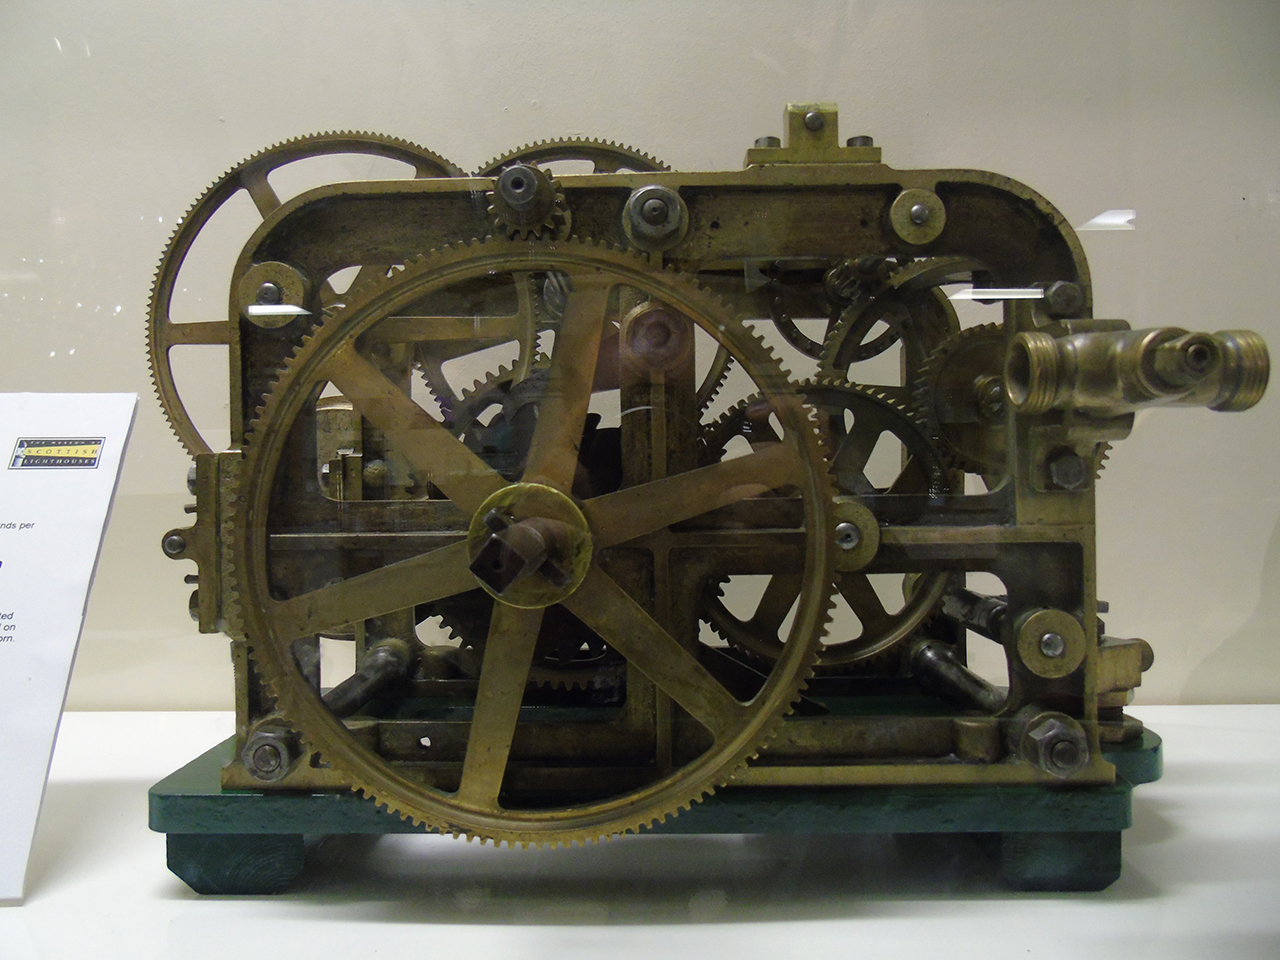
[
  {"x": 919, "y": 214},
  {"x": 848, "y": 536},
  {"x": 1068, "y": 470},
  {"x": 174, "y": 544},
  {"x": 1053, "y": 645},
  {"x": 266, "y": 758},
  {"x": 269, "y": 294},
  {"x": 860, "y": 141},
  {"x": 1064, "y": 299},
  {"x": 654, "y": 211},
  {"x": 768, "y": 142},
  {"x": 814, "y": 121}
]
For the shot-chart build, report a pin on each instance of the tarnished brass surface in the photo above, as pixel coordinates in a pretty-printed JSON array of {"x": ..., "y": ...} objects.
[{"x": 589, "y": 538}]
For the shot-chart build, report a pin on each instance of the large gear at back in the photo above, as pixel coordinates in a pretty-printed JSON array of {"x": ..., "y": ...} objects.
[
  {"x": 604, "y": 155},
  {"x": 251, "y": 176},
  {"x": 468, "y": 795}
]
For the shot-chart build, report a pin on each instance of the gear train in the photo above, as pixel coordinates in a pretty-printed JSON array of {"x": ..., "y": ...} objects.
[{"x": 620, "y": 485}]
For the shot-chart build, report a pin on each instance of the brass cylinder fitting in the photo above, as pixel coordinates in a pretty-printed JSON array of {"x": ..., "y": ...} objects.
[{"x": 1114, "y": 373}]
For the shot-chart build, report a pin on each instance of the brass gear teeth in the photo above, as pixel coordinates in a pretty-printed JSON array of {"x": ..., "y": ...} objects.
[
  {"x": 574, "y": 148},
  {"x": 206, "y": 206},
  {"x": 557, "y": 224},
  {"x": 326, "y": 736},
  {"x": 927, "y": 389},
  {"x": 1100, "y": 462}
]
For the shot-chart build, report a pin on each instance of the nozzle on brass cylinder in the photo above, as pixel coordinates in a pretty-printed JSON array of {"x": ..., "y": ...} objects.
[{"x": 1117, "y": 372}]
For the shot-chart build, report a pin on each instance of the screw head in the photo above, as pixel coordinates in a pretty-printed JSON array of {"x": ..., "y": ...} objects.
[
  {"x": 919, "y": 214},
  {"x": 269, "y": 294},
  {"x": 848, "y": 536},
  {"x": 768, "y": 142},
  {"x": 654, "y": 211},
  {"x": 814, "y": 121},
  {"x": 1053, "y": 644},
  {"x": 174, "y": 544}
]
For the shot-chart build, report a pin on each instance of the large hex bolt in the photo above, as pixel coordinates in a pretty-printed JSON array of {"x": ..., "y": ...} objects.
[
  {"x": 1068, "y": 470},
  {"x": 1057, "y": 745},
  {"x": 271, "y": 752}
]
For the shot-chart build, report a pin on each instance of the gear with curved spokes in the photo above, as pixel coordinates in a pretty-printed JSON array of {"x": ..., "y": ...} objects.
[
  {"x": 909, "y": 473},
  {"x": 905, "y": 305},
  {"x": 250, "y": 176},
  {"x": 533, "y": 545}
]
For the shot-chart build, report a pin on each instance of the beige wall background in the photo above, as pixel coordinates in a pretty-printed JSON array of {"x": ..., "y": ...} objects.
[{"x": 114, "y": 117}]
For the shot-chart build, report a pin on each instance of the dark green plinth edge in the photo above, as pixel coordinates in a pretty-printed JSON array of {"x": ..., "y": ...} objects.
[{"x": 240, "y": 841}]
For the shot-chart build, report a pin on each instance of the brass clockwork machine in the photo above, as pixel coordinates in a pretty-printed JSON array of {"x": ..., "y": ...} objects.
[{"x": 620, "y": 486}]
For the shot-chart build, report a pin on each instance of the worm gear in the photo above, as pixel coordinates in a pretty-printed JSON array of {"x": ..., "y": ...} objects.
[
  {"x": 511, "y": 537},
  {"x": 251, "y": 177},
  {"x": 895, "y": 483}
]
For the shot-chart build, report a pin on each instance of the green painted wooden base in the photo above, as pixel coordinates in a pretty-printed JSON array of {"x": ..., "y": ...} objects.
[{"x": 243, "y": 842}]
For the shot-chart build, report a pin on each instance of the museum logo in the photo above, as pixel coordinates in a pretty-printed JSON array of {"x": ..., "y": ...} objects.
[{"x": 49, "y": 452}]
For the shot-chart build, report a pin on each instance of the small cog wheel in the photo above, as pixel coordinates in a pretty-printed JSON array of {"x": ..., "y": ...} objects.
[
  {"x": 527, "y": 204},
  {"x": 960, "y": 395}
]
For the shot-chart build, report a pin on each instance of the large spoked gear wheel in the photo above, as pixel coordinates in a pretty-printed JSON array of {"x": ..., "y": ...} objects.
[
  {"x": 856, "y": 418},
  {"x": 250, "y": 176},
  {"x": 604, "y": 156},
  {"x": 478, "y": 792}
]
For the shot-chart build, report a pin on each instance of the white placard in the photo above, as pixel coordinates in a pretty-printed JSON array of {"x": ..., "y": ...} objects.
[{"x": 61, "y": 458}]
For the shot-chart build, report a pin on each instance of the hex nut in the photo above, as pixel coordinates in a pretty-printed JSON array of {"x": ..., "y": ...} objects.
[{"x": 1057, "y": 745}]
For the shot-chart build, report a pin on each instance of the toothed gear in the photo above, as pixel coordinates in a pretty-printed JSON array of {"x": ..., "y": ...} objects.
[
  {"x": 893, "y": 303},
  {"x": 737, "y": 729},
  {"x": 568, "y": 655},
  {"x": 541, "y": 208},
  {"x": 605, "y": 156},
  {"x": 250, "y": 175},
  {"x": 960, "y": 395},
  {"x": 921, "y": 477}
]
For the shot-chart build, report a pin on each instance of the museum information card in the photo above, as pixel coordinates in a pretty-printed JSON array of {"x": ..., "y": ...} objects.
[{"x": 61, "y": 457}]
